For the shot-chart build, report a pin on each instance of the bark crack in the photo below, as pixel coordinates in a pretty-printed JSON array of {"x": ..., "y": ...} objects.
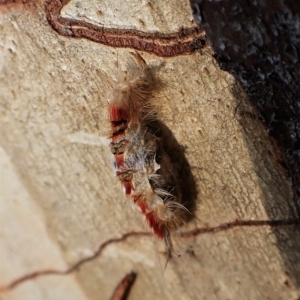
[{"x": 190, "y": 233}]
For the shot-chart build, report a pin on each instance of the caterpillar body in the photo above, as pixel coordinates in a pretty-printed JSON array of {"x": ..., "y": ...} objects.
[{"x": 142, "y": 165}]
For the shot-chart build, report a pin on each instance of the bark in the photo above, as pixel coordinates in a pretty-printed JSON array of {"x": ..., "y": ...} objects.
[
  {"x": 259, "y": 44},
  {"x": 66, "y": 230}
]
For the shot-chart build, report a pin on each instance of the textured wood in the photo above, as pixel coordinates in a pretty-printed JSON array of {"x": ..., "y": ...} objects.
[
  {"x": 60, "y": 200},
  {"x": 259, "y": 44}
]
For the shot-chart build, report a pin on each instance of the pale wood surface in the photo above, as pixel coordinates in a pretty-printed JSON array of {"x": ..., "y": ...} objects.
[{"x": 60, "y": 199}]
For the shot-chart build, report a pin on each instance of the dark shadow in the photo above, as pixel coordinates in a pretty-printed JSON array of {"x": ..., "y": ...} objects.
[
  {"x": 287, "y": 237},
  {"x": 185, "y": 182}
]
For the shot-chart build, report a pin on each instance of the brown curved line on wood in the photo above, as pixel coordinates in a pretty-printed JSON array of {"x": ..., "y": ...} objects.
[
  {"x": 186, "y": 41},
  {"x": 238, "y": 223},
  {"x": 190, "y": 233},
  {"x": 73, "y": 268},
  {"x": 124, "y": 287}
]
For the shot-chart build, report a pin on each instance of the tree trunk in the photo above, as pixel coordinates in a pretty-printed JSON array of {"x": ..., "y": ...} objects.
[{"x": 67, "y": 231}]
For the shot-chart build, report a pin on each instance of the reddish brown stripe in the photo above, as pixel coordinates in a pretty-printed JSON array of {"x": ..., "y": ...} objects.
[
  {"x": 150, "y": 217},
  {"x": 128, "y": 187},
  {"x": 119, "y": 160},
  {"x": 117, "y": 114},
  {"x": 185, "y": 41},
  {"x": 142, "y": 204},
  {"x": 153, "y": 223}
]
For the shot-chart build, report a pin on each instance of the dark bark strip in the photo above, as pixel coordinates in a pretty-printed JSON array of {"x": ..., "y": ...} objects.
[
  {"x": 185, "y": 41},
  {"x": 238, "y": 223},
  {"x": 122, "y": 290},
  {"x": 259, "y": 43}
]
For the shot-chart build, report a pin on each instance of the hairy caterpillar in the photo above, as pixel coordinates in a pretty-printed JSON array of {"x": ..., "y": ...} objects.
[{"x": 142, "y": 165}]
